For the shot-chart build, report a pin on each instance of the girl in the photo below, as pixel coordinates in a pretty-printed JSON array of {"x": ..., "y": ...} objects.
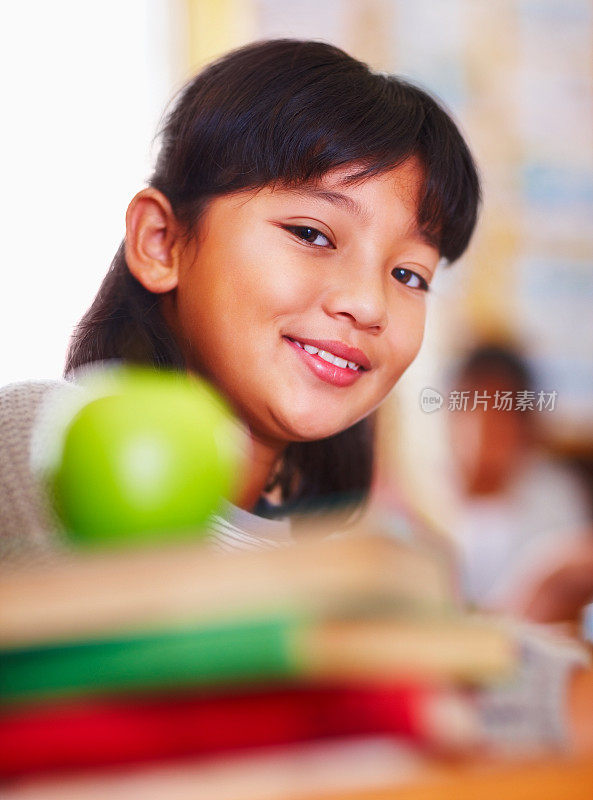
[{"x": 284, "y": 249}]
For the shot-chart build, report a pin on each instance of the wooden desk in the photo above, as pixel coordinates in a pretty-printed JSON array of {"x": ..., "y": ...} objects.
[
  {"x": 539, "y": 780},
  {"x": 325, "y": 775}
]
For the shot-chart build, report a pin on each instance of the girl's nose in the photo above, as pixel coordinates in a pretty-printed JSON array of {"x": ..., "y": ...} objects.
[{"x": 360, "y": 300}]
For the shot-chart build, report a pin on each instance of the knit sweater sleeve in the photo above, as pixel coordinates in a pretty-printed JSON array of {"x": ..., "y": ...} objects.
[{"x": 28, "y": 529}]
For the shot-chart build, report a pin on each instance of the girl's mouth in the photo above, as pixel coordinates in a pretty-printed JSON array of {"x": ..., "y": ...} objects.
[{"x": 326, "y": 365}]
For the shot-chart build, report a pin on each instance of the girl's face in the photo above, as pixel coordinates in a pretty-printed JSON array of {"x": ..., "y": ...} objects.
[{"x": 305, "y": 306}]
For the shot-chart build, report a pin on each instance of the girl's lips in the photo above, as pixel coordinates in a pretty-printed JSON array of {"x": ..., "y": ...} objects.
[
  {"x": 337, "y": 349},
  {"x": 330, "y": 373}
]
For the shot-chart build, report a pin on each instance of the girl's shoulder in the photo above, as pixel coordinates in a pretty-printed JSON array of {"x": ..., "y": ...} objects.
[
  {"x": 19, "y": 402},
  {"x": 27, "y": 526}
]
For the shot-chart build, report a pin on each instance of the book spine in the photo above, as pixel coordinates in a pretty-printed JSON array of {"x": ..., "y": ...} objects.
[
  {"x": 213, "y": 655},
  {"x": 383, "y": 649},
  {"x": 102, "y": 732}
]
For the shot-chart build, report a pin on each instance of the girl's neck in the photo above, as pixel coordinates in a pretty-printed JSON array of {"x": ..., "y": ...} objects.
[{"x": 261, "y": 460}]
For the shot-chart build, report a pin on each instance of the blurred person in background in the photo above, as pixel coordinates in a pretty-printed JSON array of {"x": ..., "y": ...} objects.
[
  {"x": 522, "y": 514},
  {"x": 560, "y": 587}
]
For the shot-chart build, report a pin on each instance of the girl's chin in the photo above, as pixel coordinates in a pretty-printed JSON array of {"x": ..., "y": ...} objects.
[
  {"x": 312, "y": 430},
  {"x": 309, "y": 420}
]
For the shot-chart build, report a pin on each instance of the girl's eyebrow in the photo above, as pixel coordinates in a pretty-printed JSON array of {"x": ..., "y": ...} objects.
[
  {"x": 424, "y": 235},
  {"x": 336, "y": 199},
  {"x": 353, "y": 207}
]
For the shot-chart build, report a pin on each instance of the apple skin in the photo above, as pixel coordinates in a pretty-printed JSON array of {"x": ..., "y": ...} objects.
[{"x": 146, "y": 459}]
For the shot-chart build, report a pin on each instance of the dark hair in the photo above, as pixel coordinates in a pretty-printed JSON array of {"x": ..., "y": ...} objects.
[
  {"x": 287, "y": 111},
  {"x": 499, "y": 363}
]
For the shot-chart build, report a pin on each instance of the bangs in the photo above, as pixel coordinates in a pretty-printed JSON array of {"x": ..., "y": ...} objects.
[{"x": 289, "y": 112}]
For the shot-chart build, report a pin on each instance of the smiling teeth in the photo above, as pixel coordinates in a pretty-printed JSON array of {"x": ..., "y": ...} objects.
[{"x": 338, "y": 362}]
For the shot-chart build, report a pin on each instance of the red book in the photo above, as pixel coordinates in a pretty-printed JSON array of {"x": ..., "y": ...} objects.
[{"x": 124, "y": 730}]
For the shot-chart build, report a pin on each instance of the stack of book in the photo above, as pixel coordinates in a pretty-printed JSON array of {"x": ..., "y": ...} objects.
[{"x": 161, "y": 655}]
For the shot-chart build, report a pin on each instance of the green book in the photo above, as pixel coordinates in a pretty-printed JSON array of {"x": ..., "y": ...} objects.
[
  {"x": 383, "y": 648},
  {"x": 259, "y": 650}
]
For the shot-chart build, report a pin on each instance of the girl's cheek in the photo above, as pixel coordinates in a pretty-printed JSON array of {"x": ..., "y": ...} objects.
[
  {"x": 405, "y": 339},
  {"x": 284, "y": 286}
]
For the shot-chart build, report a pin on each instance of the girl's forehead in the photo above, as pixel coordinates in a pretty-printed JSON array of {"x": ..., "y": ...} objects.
[
  {"x": 399, "y": 190},
  {"x": 410, "y": 173},
  {"x": 345, "y": 188}
]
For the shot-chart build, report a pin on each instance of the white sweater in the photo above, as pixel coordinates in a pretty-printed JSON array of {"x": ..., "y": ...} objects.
[{"x": 28, "y": 528}]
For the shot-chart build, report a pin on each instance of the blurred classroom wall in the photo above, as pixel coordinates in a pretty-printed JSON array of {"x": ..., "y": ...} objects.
[
  {"x": 83, "y": 89},
  {"x": 87, "y": 86}
]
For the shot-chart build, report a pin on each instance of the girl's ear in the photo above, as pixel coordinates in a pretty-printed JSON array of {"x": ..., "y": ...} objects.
[{"x": 152, "y": 233}]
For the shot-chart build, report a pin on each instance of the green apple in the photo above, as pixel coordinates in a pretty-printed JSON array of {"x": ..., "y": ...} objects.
[{"x": 146, "y": 457}]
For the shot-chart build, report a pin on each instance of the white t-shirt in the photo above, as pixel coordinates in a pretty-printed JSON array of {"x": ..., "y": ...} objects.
[{"x": 504, "y": 538}]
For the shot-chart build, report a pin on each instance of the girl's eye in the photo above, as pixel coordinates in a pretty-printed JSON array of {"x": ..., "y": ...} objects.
[
  {"x": 310, "y": 235},
  {"x": 410, "y": 278}
]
